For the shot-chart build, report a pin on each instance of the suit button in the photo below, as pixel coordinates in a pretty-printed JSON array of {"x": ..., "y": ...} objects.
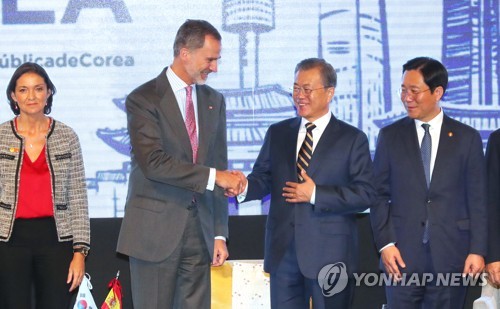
[
  {"x": 422, "y": 223},
  {"x": 429, "y": 201}
]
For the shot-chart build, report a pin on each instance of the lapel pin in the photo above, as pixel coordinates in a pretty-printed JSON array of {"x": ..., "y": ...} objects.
[
  {"x": 450, "y": 134},
  {"x": 210, "y": 107},
  {"x": 14, "y": 149}
]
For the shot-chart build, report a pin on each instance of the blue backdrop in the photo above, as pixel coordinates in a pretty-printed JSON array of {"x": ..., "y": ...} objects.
[{"x": 97, "y": 51}]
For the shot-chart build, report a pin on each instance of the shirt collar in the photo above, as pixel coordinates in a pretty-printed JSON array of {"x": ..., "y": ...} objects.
[
  {"x": 320, "y": 123},
  {"x": 435, "y": 122},
  {"x": 175, "y": 81}
]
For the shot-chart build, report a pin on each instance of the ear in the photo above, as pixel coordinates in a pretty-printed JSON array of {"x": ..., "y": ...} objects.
[
  {"x": 184, "y": 53},
  {"x": 438, "y": 93},
  {"x": 331, "y": 92}
]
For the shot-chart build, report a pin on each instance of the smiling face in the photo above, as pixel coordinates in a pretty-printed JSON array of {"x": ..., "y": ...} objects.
[
  {"x": 200, "y": 62},
  {"x": 31, "y": 94},
  {"x": 315, "y": 104},
  {"x": 420, "y": 103}
]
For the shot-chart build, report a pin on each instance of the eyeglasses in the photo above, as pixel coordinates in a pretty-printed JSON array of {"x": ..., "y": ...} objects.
[
  {"x": 305, "y": 90},
  {"x": 402, "y": 92}
]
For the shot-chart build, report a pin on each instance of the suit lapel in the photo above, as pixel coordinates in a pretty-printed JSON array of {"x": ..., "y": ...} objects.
[
  {"x": 290, "y": 144},
  {"x": 445, "y": 150},
  {"x": 171, "y": 112},
  {"x": 412, "y": 148},
  {"x": 324, "y": 146},
  {"x": 207, "y": 122}
]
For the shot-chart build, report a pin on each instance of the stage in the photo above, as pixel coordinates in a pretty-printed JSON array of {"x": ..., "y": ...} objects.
[{"x": 246, "y": 243}]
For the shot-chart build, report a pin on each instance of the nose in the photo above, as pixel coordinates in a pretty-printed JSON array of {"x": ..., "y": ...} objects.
[
  {"x": 31, "y": 95},
  {"x": 300, "y": 94},
  {"x": 213, "y": 66},
  {"x": 406, "y": 97}
]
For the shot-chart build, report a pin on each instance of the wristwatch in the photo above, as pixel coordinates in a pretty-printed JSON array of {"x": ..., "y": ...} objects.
[{"x": 82, "y": 250}]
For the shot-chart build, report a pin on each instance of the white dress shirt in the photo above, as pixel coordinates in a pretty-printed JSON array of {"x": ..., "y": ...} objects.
[
  {"x": 435, "y": 131},
  {"x": 179, "y": 89}
]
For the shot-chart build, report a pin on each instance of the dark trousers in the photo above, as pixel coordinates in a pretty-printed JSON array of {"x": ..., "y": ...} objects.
[
  {"x": 180, "y": 281},
  {"x": 430, "y": 296},
  {"x": 290, "y": 289},
  {"x": 34, "y": 258}
]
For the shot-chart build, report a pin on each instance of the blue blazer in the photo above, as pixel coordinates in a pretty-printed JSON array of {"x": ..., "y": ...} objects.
[
  {"x": 455, "y": 203},
  {"x": 493, "y": 163},
  {"x": 326, "y": 232}
]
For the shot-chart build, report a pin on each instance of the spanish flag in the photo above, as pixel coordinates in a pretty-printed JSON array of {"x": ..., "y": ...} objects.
[{"x": 114, "y": 298}]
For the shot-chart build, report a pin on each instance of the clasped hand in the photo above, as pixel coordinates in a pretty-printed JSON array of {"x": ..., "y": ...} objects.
[{"x": 233, "y": 182}]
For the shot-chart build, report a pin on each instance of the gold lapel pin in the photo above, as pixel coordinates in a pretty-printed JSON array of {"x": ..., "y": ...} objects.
[
  {"x": 450, "y": 134},
  {"x": 13, "y": 149}
]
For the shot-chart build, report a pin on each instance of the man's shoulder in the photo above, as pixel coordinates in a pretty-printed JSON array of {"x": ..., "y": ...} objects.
[
  {"x": 457, "y": 125},
  {"x": 495, "y": 136},
  {"x": 151, "y": 85},
  {"x": 285, "y": 124},
  {"x": 398, "y": 125},
  {"x": 206, "y": 90},
  {"x": 346, "y": 127},
  {"x": 146, "y": 87}
]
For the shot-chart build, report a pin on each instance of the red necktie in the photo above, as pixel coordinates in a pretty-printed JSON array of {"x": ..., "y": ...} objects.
[{"x": 191, "y": 122}]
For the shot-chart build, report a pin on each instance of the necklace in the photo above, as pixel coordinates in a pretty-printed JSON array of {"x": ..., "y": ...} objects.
[{"x": 20, "y": 129}]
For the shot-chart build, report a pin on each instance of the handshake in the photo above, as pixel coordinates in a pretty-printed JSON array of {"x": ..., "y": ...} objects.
[{"x": 233, "y": 182}]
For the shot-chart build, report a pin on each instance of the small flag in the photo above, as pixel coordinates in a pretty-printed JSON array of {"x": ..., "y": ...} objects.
[
  {"x": 84, "y": 299},
  {"x": 114, "y": 298}
]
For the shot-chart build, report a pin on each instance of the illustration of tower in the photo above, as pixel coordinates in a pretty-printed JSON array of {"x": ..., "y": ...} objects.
[
  {"x": 244, "y": 17},
  {"x": 470, "y": 52},
  {"x": 471, "y": 56},
  {"x": 353, "y": 37}
]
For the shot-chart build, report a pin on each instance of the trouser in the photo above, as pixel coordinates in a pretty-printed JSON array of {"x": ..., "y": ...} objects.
[
  {"x": 33, "y": 257},
  {"x": 180, "y": 281}
]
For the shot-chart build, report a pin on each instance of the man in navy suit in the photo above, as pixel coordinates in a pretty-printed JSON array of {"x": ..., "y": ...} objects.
[
  {"x": 312, "y": 223},
  {"x": 493, "y": 164},
  {"x": 429, "y": 217}
]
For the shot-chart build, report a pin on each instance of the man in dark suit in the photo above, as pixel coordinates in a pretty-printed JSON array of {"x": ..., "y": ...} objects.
[
  {"x": 493, "y": 164},
  {"x": 312, "y": 222},
  {"x": 431, "y": 214},
  {"x": 176, "y": 216}
]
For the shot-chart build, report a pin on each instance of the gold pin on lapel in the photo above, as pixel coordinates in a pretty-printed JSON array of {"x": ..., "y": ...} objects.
[
  {"x": 450, "y": 134},
  {"x": 14, "y": 149}
]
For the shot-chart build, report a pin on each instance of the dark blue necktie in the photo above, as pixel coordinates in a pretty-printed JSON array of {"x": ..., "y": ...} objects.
[{"x": 425, "y": 150}]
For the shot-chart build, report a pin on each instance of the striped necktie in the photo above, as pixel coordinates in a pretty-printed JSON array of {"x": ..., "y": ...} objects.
[{"x": 306, "y": 150}]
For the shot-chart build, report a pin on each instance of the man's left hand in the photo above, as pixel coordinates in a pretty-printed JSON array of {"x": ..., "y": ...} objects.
[
  {"x": 299, "y": 192},
  {"x": 474, "y": 265},
  {"x": 220, "y": 252}
]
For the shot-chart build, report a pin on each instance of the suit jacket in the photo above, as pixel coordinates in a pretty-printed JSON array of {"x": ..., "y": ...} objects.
[
  {"x": 455, "y": 203},
  {"x": 163, "y": 178},
  {"x": 326, "y": 232},
  {"x": 493, "y": 164}
]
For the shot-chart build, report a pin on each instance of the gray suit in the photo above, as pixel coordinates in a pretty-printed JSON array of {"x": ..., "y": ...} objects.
[{"x": 163, "y": 180}]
